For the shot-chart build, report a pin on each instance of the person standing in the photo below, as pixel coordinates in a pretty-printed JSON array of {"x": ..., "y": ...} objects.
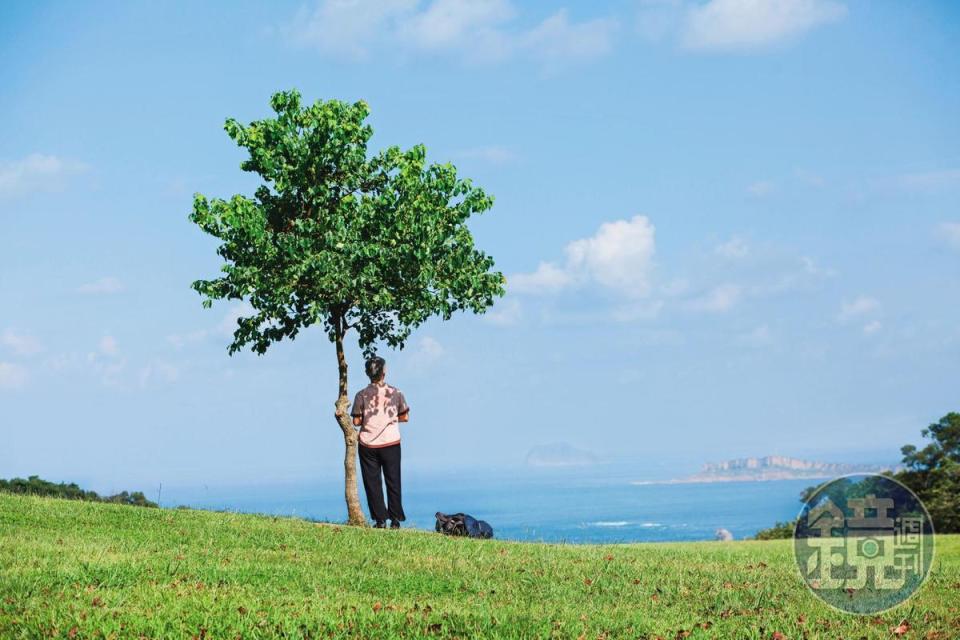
[{"x": 378, "y": 409}]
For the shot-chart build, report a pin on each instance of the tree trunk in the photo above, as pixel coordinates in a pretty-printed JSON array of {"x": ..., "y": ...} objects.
[{"x": 354, "y": 511}]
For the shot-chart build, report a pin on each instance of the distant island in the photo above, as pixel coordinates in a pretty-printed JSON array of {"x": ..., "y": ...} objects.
[
  {"x": 770, "y": 468},
  {"x": 559, "y": 454}
]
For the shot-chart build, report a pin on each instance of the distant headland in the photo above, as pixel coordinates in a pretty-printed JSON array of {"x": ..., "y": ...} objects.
[
  {"x": 560, "y": 454},
  {"x": 770, "y": 468}
]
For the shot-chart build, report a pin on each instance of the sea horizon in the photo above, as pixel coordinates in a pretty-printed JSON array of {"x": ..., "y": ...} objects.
[{"x": 541, "y": 506}]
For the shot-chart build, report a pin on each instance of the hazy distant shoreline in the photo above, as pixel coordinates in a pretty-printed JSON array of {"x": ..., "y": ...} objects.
[
  {"x": 743, "y": 478},
  {"x": 769, "y": 469}
]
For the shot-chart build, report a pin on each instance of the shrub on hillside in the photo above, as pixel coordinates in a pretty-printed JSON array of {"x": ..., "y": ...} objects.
[
  {"x": 36, "y": 486},
  {"x": 933, "y": 472},
  {"x": 779, "y": 531}
]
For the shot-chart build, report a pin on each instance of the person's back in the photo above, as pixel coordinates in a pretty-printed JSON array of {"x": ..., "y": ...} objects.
[{"x": 378, "y": 409}]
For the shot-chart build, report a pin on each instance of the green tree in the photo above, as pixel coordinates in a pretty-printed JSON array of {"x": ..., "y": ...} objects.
[
  {"x": 342, "y": 239},
  {"x": 933, "y": 472}
]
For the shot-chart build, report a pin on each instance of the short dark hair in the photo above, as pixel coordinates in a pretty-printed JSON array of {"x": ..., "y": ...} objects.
[{"x": 374, "y": 368}]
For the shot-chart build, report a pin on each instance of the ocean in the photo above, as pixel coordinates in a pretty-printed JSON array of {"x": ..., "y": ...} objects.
[{"x": 549, "y": 506}]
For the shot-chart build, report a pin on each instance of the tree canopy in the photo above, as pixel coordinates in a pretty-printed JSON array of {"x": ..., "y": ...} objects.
[{"x": 337, "y": 237}]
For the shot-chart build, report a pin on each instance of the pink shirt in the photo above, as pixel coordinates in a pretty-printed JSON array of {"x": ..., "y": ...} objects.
[{"x": 379, "y": 406}]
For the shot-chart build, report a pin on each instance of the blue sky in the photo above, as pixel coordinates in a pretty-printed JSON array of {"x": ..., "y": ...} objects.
[{"x": 730, "y": 228}]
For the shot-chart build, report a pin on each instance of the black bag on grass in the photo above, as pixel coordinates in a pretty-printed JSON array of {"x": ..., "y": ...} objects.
[{"x": 460, "y": 524}]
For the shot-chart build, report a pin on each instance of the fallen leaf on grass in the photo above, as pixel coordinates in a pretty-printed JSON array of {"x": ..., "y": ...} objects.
[
  {"x": 901, "y": 628},
  {"x": 97, "y": 602},
  {"x": 778, "y": 636},
  {"x": 377, "y": 606}
]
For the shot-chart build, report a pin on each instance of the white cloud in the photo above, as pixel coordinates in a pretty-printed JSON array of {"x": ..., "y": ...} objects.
[
  {"x": 761, "y": 188},
  {"x": 12, "y": 376},
  {"x": 225, "y": 328},
  {"x": 619, "y": 257},
  {"x": 872, "y": 327},
  {"x": 347, "y": 28},
  {"x": 557, "y": 39},
  {"x": 930, "y": 181},
  {"x": 950, "y": 232},
  {"x": 107, "y": 362},
  {"x": 470, "y": 26},
  {"x": 811, "y": 268},
  {"x": 103, "y": 286},
  {"x": 719, "y": 299},
  {"x": 429, "y": 348},
  {"x": 642, "y": 310},
  {"x": 109, "y": 372},
  {"x": 108, "y": 365},
  {"x": 759, "y": 337},
  {"x": 36, "y": 172},
  {"x": 658, "y": 19},
  {"x": 64, "y": 362},
  {"x": 746, "y": 272},
  {"x": 159, "y": 372},
  {"x": 548, "y": 278},
  {"x": 675, "y": 287},
  {"x": 726, "y": 25},
  {"x": 108, "y": 346},
  {"x": 425, "y": 352},
  {"x": 732, "y": 249},
  {"x": 474, "y": 30},
  {"x": 809, "y": 178},
  {"x": 20, "y": 344},
  {"x": 859, "y": 307},
  {"x": 180, "y": 340}
]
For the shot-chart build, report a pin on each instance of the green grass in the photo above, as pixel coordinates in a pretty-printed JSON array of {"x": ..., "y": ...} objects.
[{"x": 86, "y": 570}]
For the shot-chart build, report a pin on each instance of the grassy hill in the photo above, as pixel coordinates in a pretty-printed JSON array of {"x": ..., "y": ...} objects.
[{"x": 87, "y": 570}]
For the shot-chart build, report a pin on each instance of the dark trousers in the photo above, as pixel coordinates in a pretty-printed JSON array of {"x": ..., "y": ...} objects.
[{"x": 373, "y": 460}]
